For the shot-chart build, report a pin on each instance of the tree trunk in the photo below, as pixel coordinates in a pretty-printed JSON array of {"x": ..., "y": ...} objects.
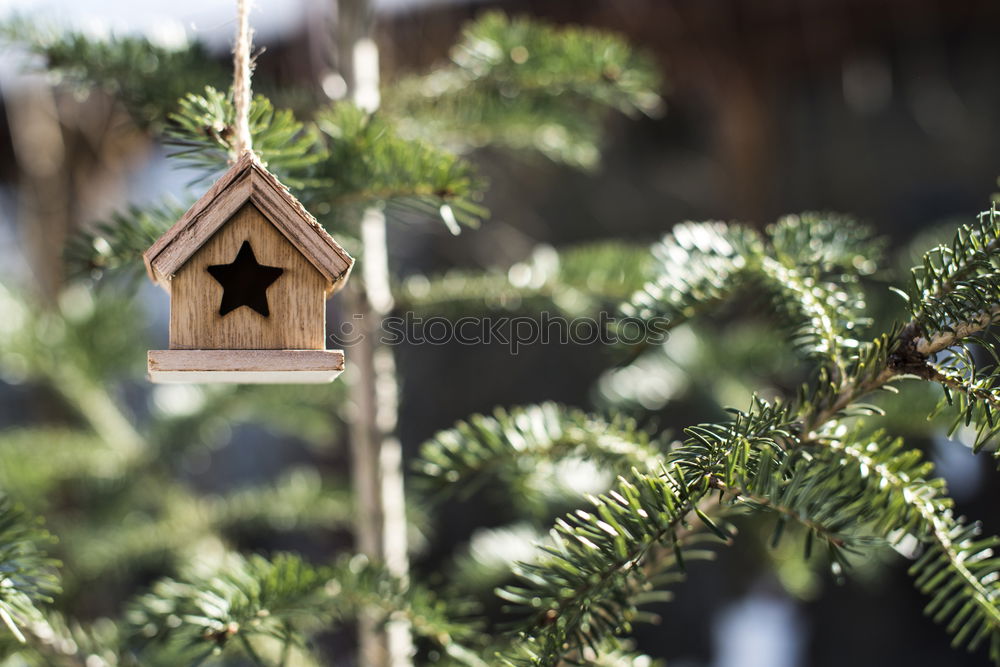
[{"x": 380, "y": 528}]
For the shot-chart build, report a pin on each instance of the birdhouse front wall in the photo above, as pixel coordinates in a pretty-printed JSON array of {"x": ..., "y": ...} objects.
[{"x": 295, "y": 300}]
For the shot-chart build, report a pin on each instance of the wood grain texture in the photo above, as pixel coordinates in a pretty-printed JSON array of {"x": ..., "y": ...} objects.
[
  {"x": 296, "y": 299},
  {"x": 197, "y": 225},
  {"x": 247, "y": 181},
  {"x": 245, "y": 366},
  {"x": 300, "y": 227}
]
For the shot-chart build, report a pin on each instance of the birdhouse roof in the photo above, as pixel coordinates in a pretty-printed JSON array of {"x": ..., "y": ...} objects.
[{"x": 248, "y": 181}]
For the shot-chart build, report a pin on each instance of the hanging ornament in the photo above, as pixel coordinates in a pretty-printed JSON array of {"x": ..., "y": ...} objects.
[{"x": 248, "y": 271}]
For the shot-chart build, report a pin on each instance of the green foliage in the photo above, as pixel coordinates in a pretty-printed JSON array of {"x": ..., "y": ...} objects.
[
  {"x": 970, "y": 391},
  {"x": 201, "y": 132},
  {"x": 347, "y": 160},
  {"x": 525, "y": 447},
  {"x": 956, "y": 568},
  {"x": 179, "y": 523},
  {"x": 575, "y": 281},
  {"x": 958, "y": 282},
  {"x": 148, "y": 79},
  {"x": 246, "y": 598},
  {"x": 848, "y": 489},
  {"x": 90, "y": 337},
  {"x": 810, "y": 264},
  {"x": 806, "y": 461},
  {"x": 369, "y": 162},
  {"x": 826, "y": 241},
  {"x": 338, "y": 165},
  {"x": 116, "y": 245},
  {"x": 603, "y": 562},
  {"x": 260, "y": 605},
  {"x": 711, "y": 365},
  {"x": 137, "y": 468},
  {"x": 204, "y": 414},
  {"x": 696, "y": 265},
  {"x": 814, "y": 271},
  {"x": 58, "y": 641},
  {"x": 38, "y": 460},
  {"x": 27, "y": 575},
  {"x": 526, "y": 85},
  {"x": 801, "y": 461}
]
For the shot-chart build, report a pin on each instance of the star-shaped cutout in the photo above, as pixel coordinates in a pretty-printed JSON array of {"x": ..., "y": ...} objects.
[{"x": 245, "y": 282}]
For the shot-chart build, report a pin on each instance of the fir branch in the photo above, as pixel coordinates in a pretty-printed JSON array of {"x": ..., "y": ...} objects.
[
  {"x": 972, "y": 392},
  {"x": 810, "y": 264},
  {"x": 514, "y": 444},
  {"x": 955, "y": 289},
  {"x": 36, "y": 460},
  {"x": 845, "y": 489},
  {"x": 117, "y": 244},
  {"x": 523, "y": 84},
  {"x": 27, "y": 575},
  {"x": 181, "y": 520},
  {"x": 282, "y": 599},
  {"x": 697, "y": 265},
  {"x": 344, "y": 162},
  {"x": 147, "y": 78},
  {"x": 370, "y": 163},
  {"x": 957, "y": 569},
  {"x": 602, "y": 562},
  {"x": 762, "y": 460},
  {"x": 575, "y": 281},
  {"x": 822, "y": 315},
  {"x": 796, "y": 492},
  {"x": 55, "y": 640},
  {"x": 250, "y": 596},
  {"x": 599, "y": 566},
  {"x": 201, "y": 133},
  {"x": 827, "y": 242}
]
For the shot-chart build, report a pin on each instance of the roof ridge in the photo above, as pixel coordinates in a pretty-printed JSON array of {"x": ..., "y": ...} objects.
[{"x": 248, "y": 181}]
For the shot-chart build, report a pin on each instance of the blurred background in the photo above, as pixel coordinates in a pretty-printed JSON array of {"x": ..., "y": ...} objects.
[{"x": 882, "y": 109}]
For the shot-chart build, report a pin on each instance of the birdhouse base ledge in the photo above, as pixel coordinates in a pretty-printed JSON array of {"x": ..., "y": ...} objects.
[{"x": 245, "y": 366}]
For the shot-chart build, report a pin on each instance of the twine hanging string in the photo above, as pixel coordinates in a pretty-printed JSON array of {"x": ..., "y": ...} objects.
[{"x": 242, "y": 142}]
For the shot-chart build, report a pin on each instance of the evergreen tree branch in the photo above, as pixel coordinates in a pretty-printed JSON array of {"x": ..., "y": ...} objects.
[
  {"x": 971, "y": 391},
  {"x": 955, "y": 289},
  {"x": 344, "y": 161},
  {"x": 147, "y": 78},
  {"x": 276, "y": 600},
  {"x": 116, "y": 245},
  {"x": 370, "y": 163},
  {"x": 810, "y": 263},
  {"x": 27, "y": 575},
  {"x": 957, "y": 569},
  {"x": 575, "y": 281},
  {"x": 523, "y": 84},
  {"x": 513, "y": 444},
  {"x": 758, "y": 461},
  {"x": 182, "y": 520},
  {"x": 201, "y": 133},
  {"x": 586, "y": 588},
  {"x": 977, "y": 390},
  {"x": 785, "y": 510},
  {"x": 697, "y": 265},
  {"x": 821, "y": 314},
  {"x": 54, "y": 640}
]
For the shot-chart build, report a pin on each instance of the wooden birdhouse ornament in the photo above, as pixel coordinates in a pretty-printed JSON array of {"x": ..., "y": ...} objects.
[{"x": 248, "y": 271}]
